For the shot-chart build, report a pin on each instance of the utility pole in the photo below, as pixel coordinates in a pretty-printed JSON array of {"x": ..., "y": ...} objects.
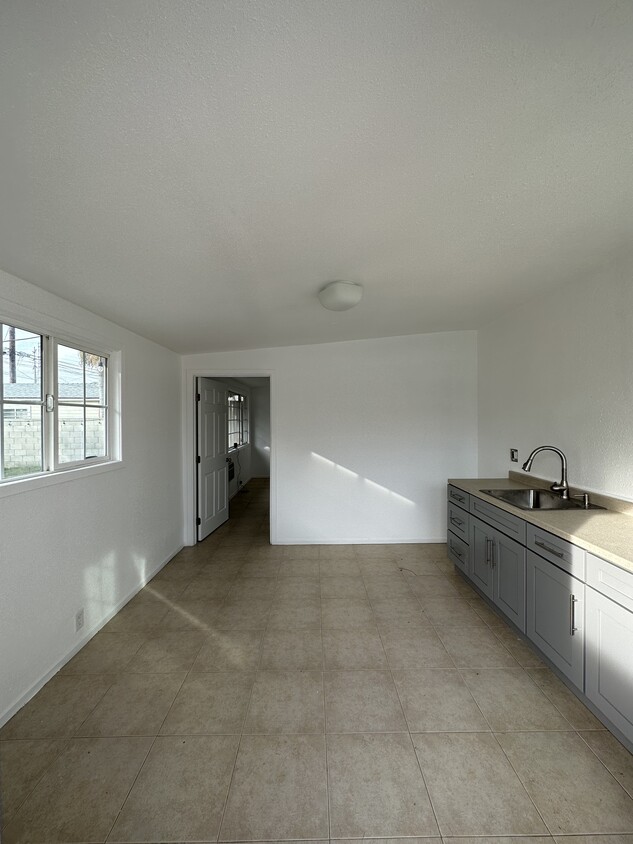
[{"x": 12, "y": 369}]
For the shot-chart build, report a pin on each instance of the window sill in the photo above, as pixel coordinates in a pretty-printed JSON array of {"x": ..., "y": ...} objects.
[{"x": 20, "y": 485}]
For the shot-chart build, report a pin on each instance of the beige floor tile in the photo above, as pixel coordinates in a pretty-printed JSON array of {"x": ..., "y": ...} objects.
[
  {"x": 432, "y": 586},
  {"x": 415, "y": 648},
  {"x": 418, "y": 567},
  {"x": 278, "y": 790},
  {"x": 339, "y": 567},
  {"x": 492, "y": 618},
  {"x": 206, "y": 588},
  {"x": 308, "y": 569},
  {"x": 437, "y": 700},
  {"x": 198, "y": 616},
  {"x": 510, "y": 700},
  {"x": 564, "y": 700},
  {"x": 351, "y": 586},
  {"x": 166, "y": 653},
  {"x": 473, "y": 787},
  {"x": 134, "y": 705},
  {"x": 210, "y": 703},
  {"x": 337, "y": 552},
  {"x": 594, "y": 839},
  {"x": 353, "y": 649},
  {"x": 80, "y": 794},
  {"x": 346, "y": 614},
  {"x": 286, "y": 702},
  {"x": 386, "y": 841},
  {"x": 395, "y": 609},
  {"x": 300, "y": 614},
  {"x": 252, "y": 589},
  {"x": 297, "y": 589},
  {"x": 178, "y": 570},
  {"x": 244, "y": 615},
  {"x": 379, "y": 568},
  {"x": 262, "y": 569},
  {"x": 375, "y": 552},
  {"x": 301, "y": 552},
  {"x": 229, "y": 650},
  {"x": 58, "y": 709},
  {"x": 165, "y": 590},
  {"x": 475, "y": 648},
  {"x": 180, "y": 792},
  {"x": 292, "y": 650},
  {"x": 22, "y": 764},
  {"x": 362, "y": 702},
  {"x": 376, "y": 789},
  {"x": 450, "y": 612},
  {"x": 105, "y": 653},
  {"x": 380, "y": 587},
  {"x": 613, "y": 755},
  {"x": 501, "y": 839},
  {"x": 519, "y": 648},
  {"x": 571, "y": 788}
]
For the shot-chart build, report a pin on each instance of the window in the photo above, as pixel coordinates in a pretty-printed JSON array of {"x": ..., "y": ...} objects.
[
  {"x": 53, "y": 404},
  {"x": 238, "y": 420}
]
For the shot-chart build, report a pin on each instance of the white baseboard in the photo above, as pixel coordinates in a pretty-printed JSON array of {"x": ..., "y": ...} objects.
[
  {"x": 34, "y": 689},
  {"x": 362, "y": 541}
]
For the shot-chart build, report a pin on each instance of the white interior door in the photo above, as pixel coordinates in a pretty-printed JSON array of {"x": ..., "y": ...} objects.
[{"x": 213, "y": 486}]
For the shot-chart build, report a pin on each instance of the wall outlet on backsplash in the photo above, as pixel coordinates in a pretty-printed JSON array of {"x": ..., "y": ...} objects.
[{"x": 514, "y": 455}]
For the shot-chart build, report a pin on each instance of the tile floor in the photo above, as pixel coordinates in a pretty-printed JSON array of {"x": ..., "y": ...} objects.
[{"x": 258, "y": 693}]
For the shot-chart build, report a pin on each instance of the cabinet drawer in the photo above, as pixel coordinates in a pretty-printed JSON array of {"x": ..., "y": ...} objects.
[
  {"x": 511, "y": 525},
  {"x": 458, "y": 521},
  {"x": 459, "y": 497},
  {"x": 558, "y": 551},
  {"x": 610, "y": 580},
  {"x": 458, "y": 551}
]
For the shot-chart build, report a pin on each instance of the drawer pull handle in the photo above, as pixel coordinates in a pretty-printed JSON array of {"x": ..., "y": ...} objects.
[
  {"x": 548, "y": 549},
  {"x": 488, "y": 551},
  {"x": 457, "y": 522},
  {"x": 457, "y": 497},
  {"x": 456, "y": 552},
  {"x": 572, "y": 614}
]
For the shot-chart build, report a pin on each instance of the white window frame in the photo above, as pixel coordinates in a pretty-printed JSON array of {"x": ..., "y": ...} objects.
[
  {"x": 52, "y": 468},
  {"x": 244, "y": 420}
]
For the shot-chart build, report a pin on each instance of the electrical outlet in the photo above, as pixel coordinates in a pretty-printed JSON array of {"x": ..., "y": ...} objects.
[
  {"x": 514, "y": 455},
  {"x": 79, "y": 620}
]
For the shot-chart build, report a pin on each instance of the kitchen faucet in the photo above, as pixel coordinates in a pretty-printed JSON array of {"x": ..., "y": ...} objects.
[{"x": 562, "y": 486}]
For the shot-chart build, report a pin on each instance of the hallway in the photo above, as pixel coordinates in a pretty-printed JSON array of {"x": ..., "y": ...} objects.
[{"x": 263, "y": 693}]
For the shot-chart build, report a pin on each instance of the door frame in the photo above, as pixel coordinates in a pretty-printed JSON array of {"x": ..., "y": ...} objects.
[{"x": 189, "y": 446}]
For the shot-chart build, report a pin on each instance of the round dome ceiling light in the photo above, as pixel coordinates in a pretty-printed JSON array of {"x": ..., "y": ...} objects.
[{"x": 340, "y": 295}]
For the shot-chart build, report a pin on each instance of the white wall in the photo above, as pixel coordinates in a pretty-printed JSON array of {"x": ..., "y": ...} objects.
[
  {"x": 364, "y": 434},
  {"x": 260, "y": 431},
  {"x": 89, "y": 541},
  {"x": 559, "y": 371}
]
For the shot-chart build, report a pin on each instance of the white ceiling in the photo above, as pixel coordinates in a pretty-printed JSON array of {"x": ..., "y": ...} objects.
[{"x": 197, "y": 170}]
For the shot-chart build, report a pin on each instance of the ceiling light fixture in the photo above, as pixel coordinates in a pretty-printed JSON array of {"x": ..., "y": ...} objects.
[{"x": 340, "y": 295}]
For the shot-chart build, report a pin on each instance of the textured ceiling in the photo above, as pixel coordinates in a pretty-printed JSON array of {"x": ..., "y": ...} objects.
[{"x": 197, "y": 170}]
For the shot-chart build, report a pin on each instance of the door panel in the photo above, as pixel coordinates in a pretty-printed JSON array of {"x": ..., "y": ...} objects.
[
  {"x": 212, "y": 415},
  {"x": 480, "y": 568},
  {"x": 509, "y": 580}
]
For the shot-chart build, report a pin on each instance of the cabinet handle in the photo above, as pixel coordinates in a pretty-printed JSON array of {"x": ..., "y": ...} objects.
[
  {"x": 488, "y": 544},
  {"x": 492, "y": 553},
  {"x": 572, "y": 614},
  {"x": 455, "y": 551},
  {"x": 457, "y": 497},
  {"x": 457, "y": 522},
  {"x": 548, "y": 549}
]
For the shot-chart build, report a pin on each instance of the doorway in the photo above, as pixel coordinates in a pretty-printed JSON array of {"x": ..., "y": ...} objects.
[{"x": 229, "y": 425}]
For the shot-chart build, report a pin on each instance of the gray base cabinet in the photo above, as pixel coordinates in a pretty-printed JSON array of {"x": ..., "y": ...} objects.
[
  {"x": 609, "y": 659},
  {"x": 497, "y": 567},
  {"x": 555, "y": 616}
]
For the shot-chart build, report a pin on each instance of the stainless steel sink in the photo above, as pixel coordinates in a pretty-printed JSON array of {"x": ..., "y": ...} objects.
[{"x": 537, "y": 499}]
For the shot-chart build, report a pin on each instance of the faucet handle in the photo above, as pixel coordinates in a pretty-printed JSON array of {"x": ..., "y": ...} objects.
[{"x": 584, "y": 497}]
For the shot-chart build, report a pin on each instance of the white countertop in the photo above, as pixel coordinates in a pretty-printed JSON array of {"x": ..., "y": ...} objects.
[{"x": 605, "y": 533}]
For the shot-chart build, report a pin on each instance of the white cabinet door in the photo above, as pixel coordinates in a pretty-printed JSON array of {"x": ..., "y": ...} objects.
[{"x": 609, "y": 660}]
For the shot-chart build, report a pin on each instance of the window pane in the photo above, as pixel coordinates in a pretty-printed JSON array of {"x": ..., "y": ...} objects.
[
  {"x": 22, "y": 440},
  {"x": 70, "y": 374},
  {"x": 21, "y": 364},
  {"x": 95, "y": 379},
  {"x": 70, "y": 429},
  {"x": 96, "y": 444}
]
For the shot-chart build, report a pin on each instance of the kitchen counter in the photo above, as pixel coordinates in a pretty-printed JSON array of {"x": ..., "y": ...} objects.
[{"x": 606, "y": 533}]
